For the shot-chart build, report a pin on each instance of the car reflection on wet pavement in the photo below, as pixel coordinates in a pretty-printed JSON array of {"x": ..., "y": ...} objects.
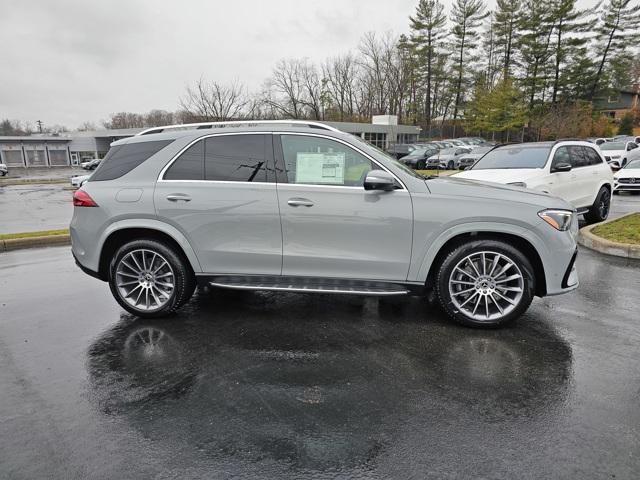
[{"x": 264, "y": 385}]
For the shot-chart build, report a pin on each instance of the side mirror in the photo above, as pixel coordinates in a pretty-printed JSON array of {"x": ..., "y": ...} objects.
[
  {"x": 379, "y": 180},
  {"x": 561, "y": 167}
]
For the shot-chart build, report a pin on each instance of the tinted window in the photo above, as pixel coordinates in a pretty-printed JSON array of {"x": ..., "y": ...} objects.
[
  {"x": 319, "y": 161},
  {"x": 578, "y": 157},
  {"x": 562, "y": 155},
  {"x": 235, "y": 158},
  {"x": 189, "y": 165},
  {"x": 632, "y": 146},
  {"x": 514, "y": 157},
  {"x": 121, "y": 159},
  {"x": 592, "y": 156}
]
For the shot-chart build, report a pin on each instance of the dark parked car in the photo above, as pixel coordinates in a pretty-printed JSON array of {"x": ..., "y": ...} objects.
[
  {"x": 400, "y": 150},
  {"x": 418, "y": 158}
]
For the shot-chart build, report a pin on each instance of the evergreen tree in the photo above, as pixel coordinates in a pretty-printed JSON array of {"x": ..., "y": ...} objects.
[
  {"x": 569, "y": 23},
  {"x": 617, "y": 30},
  {"x": 427, "y": 26},
  {"x": 537, "y": 27},
  {"x": 626, "y": 125},
  {"x": 507, "y": 25}
]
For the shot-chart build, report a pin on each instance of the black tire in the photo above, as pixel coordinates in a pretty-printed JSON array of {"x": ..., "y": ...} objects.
[
  {"x": 599, "y": 211},
  {"x": 420, "y": 165},
  {"x": 184, "y": 281},
  {"x": 457, "y": 254},
  {"x": 450, "y": 165}
]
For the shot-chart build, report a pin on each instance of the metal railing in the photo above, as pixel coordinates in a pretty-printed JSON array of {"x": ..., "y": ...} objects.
[{"x": 203, "y": 125}]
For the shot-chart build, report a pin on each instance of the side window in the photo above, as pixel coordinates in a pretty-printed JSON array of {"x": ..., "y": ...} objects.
[
  {"x": 320, "y": 161},
  {"x": 561, "y": 156},
  {"x": 236, "y": 158},
  {"x": 189, "y": 165},
  {"x": 592, "y": 156},
  {"x": 578, "y": 157},
  {"x": 632, "y": 145}
]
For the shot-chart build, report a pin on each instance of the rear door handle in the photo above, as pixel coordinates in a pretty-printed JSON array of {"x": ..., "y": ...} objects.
[
  {"x": 299, "y": 202},
  {"x": 175, "y": 197}
]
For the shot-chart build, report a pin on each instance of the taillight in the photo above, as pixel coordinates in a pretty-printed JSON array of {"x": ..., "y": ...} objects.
[{"x": 82, "y": 199}]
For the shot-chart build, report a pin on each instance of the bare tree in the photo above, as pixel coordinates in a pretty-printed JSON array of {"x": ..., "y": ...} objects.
[
  {"x": 158, "y": 118},
  {"x": 124, "y": 120},
  {"x": 213, "y": 101}
]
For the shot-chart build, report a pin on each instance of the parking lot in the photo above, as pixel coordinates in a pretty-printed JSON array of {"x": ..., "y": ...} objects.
[{"x": 257, "y": 385}]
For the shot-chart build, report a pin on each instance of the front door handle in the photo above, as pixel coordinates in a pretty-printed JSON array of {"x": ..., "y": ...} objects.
[
  {"x": 175, "y": 197},
  {"x": 299, "y": 202}
]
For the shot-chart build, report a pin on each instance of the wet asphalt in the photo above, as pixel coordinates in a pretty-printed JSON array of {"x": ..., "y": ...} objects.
[{"x": 256, "y": 385}]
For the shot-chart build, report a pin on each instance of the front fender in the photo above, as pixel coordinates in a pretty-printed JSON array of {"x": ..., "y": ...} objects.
[{"x": 419, "y": 269}]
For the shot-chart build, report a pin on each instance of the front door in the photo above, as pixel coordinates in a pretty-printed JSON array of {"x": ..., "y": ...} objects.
[
  {"x": 221, "y": 194},
  {"x": 331, "y": 226}
]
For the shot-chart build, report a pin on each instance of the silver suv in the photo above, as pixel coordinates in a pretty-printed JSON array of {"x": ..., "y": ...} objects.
[{"x": 302, "y": 207}]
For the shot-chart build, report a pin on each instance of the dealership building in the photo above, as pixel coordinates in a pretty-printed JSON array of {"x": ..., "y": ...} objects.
[{"x": 76, "y": 147}]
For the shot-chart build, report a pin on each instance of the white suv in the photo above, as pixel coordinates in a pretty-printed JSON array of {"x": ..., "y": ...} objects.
[{"x": 573, "y": 170}]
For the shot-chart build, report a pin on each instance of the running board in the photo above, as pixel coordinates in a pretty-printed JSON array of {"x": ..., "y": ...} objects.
[{"x": 308, "y": 285}]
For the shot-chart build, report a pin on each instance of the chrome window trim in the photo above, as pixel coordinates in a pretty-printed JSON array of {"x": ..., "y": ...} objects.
[{"x": 366, "y": 155}]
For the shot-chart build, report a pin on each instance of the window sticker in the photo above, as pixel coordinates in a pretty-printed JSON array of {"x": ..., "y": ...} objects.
[{"x": 327, "y": 168}]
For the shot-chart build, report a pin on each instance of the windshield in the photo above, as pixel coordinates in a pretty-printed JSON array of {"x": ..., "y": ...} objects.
[
  {"x": 612, "y": 146},
  {"x": 514, "y": 157},
  {"x": 633, "y": 164},
  {"x": 388, "y": 157}
]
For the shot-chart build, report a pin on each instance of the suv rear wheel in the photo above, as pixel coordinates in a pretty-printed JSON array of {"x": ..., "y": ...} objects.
[
  {"x": 599, "y": 211},
  {"x": 149, "y": 279},
  {"x": 485, "y": 283}
]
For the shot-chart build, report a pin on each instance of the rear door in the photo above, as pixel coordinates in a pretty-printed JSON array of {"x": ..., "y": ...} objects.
[
  {"x": 331, "y": 226},
  {"x": 221, "y": 194}
]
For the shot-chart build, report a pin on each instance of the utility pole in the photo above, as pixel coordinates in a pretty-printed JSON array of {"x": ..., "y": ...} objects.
[{"x": 39, "y": 122}]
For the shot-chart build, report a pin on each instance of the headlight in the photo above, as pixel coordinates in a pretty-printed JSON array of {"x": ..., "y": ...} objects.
[
  {"x": 558, "y": 219},
  {"x": 518, "y": 184}
]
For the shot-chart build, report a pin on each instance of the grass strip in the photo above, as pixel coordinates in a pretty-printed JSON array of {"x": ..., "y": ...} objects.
[
  {"x": 43, "y": 233},
  {"x": 622, "y": 230}
]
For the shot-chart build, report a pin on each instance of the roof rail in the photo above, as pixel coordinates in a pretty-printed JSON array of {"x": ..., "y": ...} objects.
[{"x": 202, "y": 125}]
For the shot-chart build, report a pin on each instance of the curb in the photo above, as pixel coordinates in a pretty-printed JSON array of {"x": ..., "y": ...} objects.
[
  {"x": 599, "y": 244},
  {"x": 32, "y": 181},
  {"x": 34, "y": 242}
]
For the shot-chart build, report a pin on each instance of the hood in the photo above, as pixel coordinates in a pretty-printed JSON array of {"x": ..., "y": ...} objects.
[
  {"x": 456, "y": 186},
  {"x": 502, "y": 175},
  {"x": 627, "y": 172},
  {"x": 613, "y": 153}
]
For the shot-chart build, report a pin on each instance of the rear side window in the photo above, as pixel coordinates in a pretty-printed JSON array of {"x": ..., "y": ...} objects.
[
  {"x": 592, "y": 156},
  {"x": 189, "y": 166},
  {"x": 122, "y": 159},
  {"x": 236, "y": 158}
]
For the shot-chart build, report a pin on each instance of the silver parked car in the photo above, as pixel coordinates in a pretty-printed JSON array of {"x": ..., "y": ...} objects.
[{"x": 302, "y": 207}]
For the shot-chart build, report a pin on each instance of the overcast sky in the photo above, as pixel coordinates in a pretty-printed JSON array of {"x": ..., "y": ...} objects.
[{"x": 70, "y": 61}]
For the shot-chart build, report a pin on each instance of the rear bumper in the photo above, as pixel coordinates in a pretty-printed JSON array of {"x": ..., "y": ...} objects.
[{"x": 86, "y": 270}]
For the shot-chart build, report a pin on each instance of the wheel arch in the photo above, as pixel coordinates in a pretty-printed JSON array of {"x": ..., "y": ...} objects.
[
  {"x": 117, "y": 237},
  {"x": 518, "y": 241}
]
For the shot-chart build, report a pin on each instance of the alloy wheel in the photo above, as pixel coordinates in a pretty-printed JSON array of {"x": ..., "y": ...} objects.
[
  {"x": 486, "y": 285},
  {"x": 145, "y": 279}
]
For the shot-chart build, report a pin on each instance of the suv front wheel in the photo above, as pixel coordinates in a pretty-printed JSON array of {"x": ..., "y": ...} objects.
[
  {"x": 485, "y": 283},
  {"x": 149, "y": 279}
]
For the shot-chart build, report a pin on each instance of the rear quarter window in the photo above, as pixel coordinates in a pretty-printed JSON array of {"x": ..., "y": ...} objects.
[{"x": 121, "y": 159}]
